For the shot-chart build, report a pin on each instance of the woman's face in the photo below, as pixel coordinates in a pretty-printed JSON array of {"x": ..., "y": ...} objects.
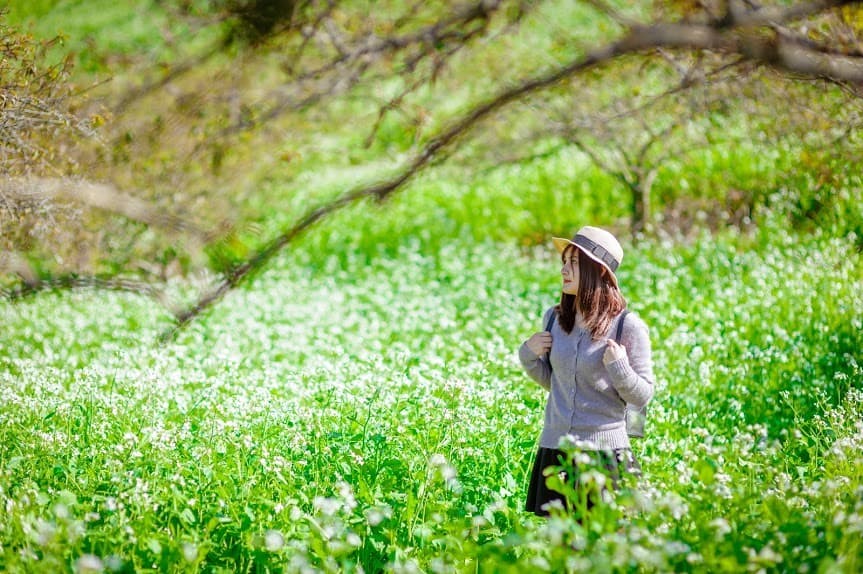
[{"x": 569, "y": 270}]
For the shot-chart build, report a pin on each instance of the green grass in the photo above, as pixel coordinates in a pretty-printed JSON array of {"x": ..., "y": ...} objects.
[
  {"x": 349, "y": 410},
  {"x": 107, "y": 36},
  {"x": 23, "y": 10},
  {"x": 360, "y": 404}
]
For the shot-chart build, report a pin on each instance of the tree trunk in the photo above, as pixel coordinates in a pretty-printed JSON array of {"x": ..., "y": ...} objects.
[{"x": 642, "y": 218}]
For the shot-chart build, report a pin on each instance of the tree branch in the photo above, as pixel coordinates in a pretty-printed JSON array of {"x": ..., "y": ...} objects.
[
  {"x": 612, "y": 13},
  {"x": 771, "y": 51},
  {"x": 85, "y": 282},
  {"x": 354, "y": 56},
  {"x": 100, "y": 196}
]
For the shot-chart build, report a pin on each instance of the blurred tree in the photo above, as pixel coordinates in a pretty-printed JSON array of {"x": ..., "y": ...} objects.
[
  {"x": 730, "y": 40},
  {"x": 34, "y": 119},
  {"x": 634, "y": 135},
  {"x": 437, "y": 71},
  {"x": 728, "y": 34},
  {"x": 258, "y": 19}
]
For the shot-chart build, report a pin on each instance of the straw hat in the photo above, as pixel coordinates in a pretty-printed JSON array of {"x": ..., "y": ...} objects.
[{"x": 596, "y": 243}]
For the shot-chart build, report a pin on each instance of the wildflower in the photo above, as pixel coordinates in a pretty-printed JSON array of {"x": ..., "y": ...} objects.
[
  {"x": 594, "y": 477},
  {"x": 347, "y": 494},
  {"x": 190, "y": 552},
  {"x": 437, "y": 460},
  {"x": 374, "y": 516},
  {"x": 273, "y": 541},
  {"x": 44, "y": 532},
  {"x": 721, "y": 526},
  {"x": 113, "y": 563},
  {"x": 448, "y": 473},
  {"x": 540, "y": 564},
  {"x": 89, "y": 564},
  {"x": 61, "y": 511},
  {"x": 327, "y": 506}
]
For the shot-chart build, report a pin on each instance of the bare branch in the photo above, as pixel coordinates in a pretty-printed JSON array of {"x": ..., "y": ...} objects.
[
  {"x": 354, "y": 56},
  {"x": 309, "y": 31},
  {"x": 770, "y": 50},
  {"x": 516, "y": 159},
  {"x": 612, "y": 13},
  {"x": 771, "y": 15},
  {"x": 82, "y": 282},
  {"x": 96, "y": 195},
  {"x": 692, "y": 80},
  {"x": 773, "y": 50},
  {"x": 172, "y": 74},
  {"x": 11, "y": 262},
  {"x": 591, "y": 153}
]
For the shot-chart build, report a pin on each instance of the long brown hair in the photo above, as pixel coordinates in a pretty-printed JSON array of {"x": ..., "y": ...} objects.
[{"x": 598, "y": 300}]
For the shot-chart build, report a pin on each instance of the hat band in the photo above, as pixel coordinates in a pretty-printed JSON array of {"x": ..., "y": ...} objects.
[{"x": 598, "y": 250}]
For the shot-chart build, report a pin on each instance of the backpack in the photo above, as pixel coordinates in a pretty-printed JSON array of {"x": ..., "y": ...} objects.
[{"x": 635, "y": 418}]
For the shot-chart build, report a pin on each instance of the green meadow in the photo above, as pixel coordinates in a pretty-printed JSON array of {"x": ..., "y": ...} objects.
[{"x": 358, "y": 404}]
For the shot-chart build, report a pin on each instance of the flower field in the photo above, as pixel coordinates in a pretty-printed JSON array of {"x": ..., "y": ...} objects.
[
  {"x": 357, "y": 404},
  {"x": 362, "y": 413}
]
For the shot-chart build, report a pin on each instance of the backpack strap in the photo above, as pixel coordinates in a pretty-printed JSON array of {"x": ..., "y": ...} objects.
[
  {"x": 551, "y": 320},
  {"x": 548, "y": 327},
  {"x": 620, "y": 321}
]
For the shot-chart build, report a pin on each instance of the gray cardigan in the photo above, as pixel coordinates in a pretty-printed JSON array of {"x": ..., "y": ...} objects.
[{"x": 587, "y": 400}]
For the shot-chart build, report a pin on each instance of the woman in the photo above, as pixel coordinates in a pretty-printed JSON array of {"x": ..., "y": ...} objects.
[{"x": 590, "y": 377}]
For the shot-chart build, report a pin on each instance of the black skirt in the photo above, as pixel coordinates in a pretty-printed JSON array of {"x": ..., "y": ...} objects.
[{"x": 613, "y": 462}]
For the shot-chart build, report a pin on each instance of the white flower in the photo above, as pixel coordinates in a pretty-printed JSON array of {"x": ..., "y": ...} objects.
[
  {"x": 594, "y": 477},
  {"x": 44, "y": 532},
  {"x": 327, "y": 506},
  {"x": 88, "y": 564},
  {"x": 437, "y": 460},
  {"x": 61, "y": 511},
  {"x": 273, "y": 541},
  {"x": 447, "y": 472},
  {"x": 374, "y": 516},
  {"x": 347, "y": 494},
  {"x": 190, "y": 552},
  {"x": 721, "y": 526}
]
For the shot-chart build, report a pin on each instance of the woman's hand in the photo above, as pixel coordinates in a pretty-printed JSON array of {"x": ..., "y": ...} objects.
[
  {"x": 539, "y": 343},
  {"x": 613, "y": 352}
]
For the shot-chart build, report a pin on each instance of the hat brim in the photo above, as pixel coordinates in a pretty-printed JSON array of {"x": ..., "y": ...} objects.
[{"x": 561, "y": 244}]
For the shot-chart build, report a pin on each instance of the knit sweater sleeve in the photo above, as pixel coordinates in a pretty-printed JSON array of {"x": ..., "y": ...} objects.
[
  {"x": 632, "y": 375},
  {"x": 537, "y": 367}
]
